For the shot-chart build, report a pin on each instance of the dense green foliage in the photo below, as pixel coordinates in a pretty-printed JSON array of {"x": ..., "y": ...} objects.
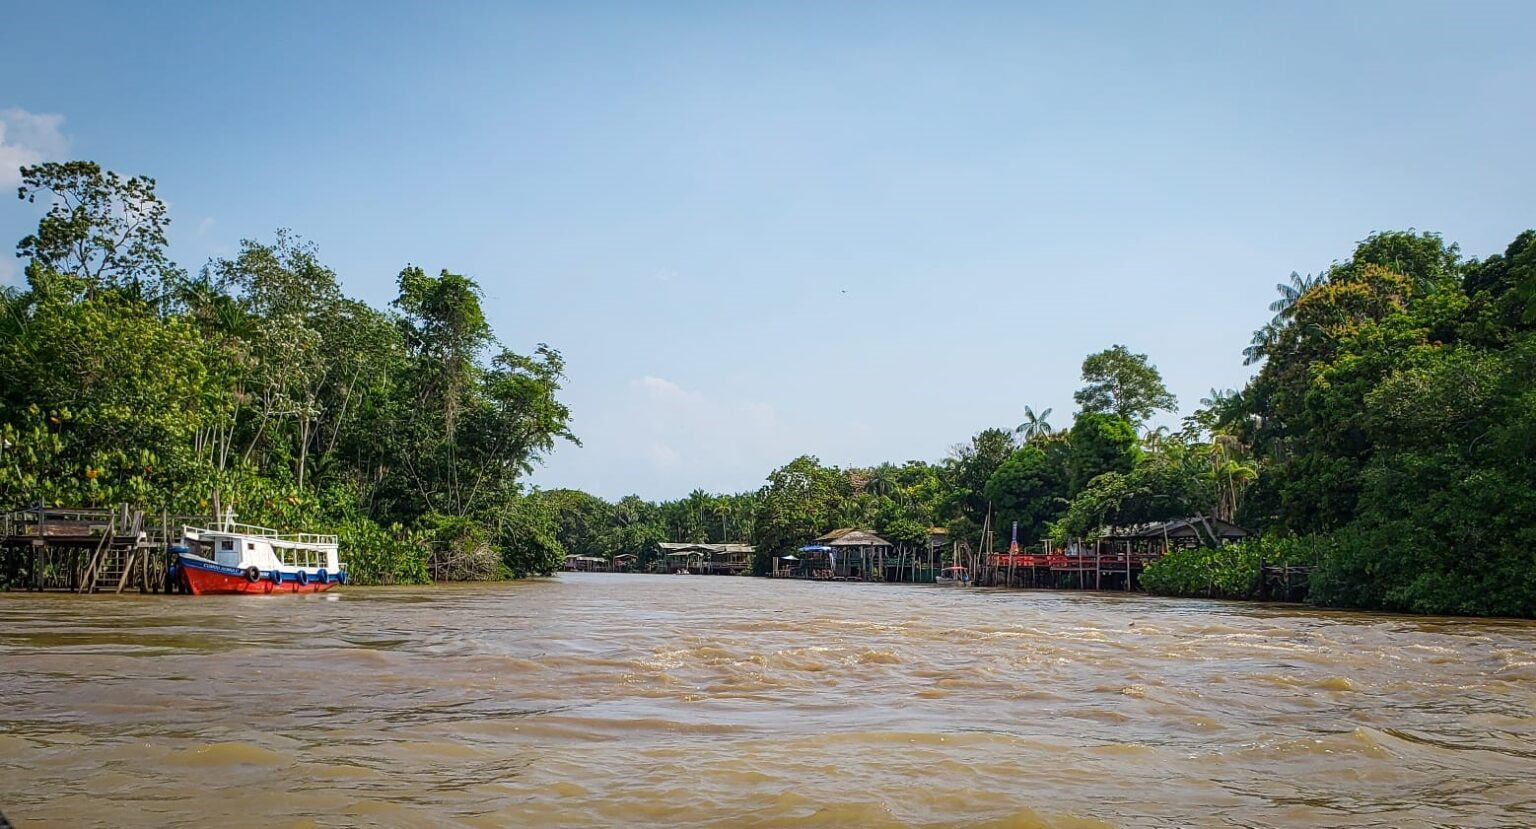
[
  {"x": 1388, "y": 437},
  {"x": 257, "y": 383},
  {"x": 1099, "y": 443},
  {"x": 1226, "y": 572},
  {"x": 1395, "y": 417}
]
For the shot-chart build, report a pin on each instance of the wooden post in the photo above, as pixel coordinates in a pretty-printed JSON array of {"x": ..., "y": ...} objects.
[
  {"x": 88, "y": 578},
  {"x": 1098, "y": 561},
  {"x": 122, "y": 581}
]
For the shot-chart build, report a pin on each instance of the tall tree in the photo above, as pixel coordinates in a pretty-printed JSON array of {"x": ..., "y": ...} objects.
[
  {"x": 1123, "y": 384},
  {"x": 446, "y": 332},
  {"x": 1034, "y": 425},
  {"x": 101, "y": 230}
]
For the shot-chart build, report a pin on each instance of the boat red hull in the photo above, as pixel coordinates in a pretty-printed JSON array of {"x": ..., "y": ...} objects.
[{"x": 200, "y": 581}]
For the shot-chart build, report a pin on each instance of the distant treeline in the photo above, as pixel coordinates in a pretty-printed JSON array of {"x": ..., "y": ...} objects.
[{"x": 1389, "y": 437}]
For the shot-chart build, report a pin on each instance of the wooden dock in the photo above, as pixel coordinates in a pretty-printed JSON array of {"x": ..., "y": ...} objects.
[
  {"x": 87, "y": 550},
  {"x": 1087, "y": 571},
  {"x": 1284, "y": 583},
  {"x": 1121, "y": 571}
]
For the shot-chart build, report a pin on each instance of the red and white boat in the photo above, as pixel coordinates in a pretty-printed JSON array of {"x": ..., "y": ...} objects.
[{"x": 240, "y": 558}]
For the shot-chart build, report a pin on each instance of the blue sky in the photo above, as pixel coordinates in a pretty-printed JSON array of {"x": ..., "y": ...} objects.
[{"x": 863, "y": 231}]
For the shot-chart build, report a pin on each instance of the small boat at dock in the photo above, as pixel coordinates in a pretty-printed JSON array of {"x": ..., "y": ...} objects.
[
  {"x": 953, "y": 577},
  {"x": 240, "y": 558}
]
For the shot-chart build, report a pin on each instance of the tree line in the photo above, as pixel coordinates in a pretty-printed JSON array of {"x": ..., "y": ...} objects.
[
  {"x": 255, "y": 382},
  {"x": 1388, "y": 437},
  {"x": 1107, "y": 467}
]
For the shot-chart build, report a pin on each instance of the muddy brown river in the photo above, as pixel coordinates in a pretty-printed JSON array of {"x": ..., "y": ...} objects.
[{"x": 610, "y": 700}]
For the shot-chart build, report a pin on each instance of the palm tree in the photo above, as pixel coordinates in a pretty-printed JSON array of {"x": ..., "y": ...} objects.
[
  {"x": 1285, "y": 307},
  {"x": 882, "y": 481},
  {"x": 1263, "y": 340},
  {"x": 692, "y": 526},
  {"x": 1219, "y": 397},
  {"x": 1231, "y": 471},
  {"x": 723, "y": 512},
  {"x": 1034, "y": 425}
]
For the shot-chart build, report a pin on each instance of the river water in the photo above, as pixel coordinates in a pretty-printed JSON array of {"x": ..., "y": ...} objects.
[{"x": 612, "y": 700}]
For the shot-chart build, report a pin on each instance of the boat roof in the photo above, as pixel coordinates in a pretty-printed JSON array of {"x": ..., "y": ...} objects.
[{"x": 233, "y": 530}]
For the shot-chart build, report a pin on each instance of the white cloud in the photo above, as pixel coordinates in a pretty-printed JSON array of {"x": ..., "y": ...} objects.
[
  {"x": 716, "y": 432},
  {"x": 659, "y": 388},
  {"x": 760, "y": 415},
  {"x": 204, "y": 226},
  {"x": 27, "y": 138},
  {"x": 663, "y": 456}
]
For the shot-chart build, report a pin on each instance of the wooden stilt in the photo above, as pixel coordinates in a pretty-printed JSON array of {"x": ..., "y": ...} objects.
[{"x": 1098, "y": 561}]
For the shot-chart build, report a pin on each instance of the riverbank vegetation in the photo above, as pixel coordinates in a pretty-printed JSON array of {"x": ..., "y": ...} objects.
[
  {"x": 1388, "y": 436},
  {"x": 256, "y": 381},
  {"x": 1388, "y": 439}
]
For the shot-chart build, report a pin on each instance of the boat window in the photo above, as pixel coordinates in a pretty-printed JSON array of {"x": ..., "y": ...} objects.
[
  {"x": 250, "y": 545},
  {"x": 227, "y": 544}
]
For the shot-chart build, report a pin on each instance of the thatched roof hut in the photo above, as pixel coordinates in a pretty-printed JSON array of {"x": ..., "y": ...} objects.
[
  {"x": 858, "y": 538},
  {"x": 708, "y": 558}
]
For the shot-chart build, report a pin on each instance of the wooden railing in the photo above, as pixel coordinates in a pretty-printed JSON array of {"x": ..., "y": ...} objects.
[{"x": 268, "y": 532}]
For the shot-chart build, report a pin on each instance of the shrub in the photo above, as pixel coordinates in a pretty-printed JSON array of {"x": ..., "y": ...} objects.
[{"x": 1227, "y": 572}]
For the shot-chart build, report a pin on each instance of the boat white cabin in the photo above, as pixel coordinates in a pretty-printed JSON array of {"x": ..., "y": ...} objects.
[
  {"x": 243, "y": 545},
  {"x": 215, "y": 560}
]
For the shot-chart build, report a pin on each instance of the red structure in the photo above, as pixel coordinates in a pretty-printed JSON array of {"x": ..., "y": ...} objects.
[{"x": 1114, "y": 560}]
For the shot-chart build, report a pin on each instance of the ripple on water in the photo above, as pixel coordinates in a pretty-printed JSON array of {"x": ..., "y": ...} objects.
[
  {"x": 635, "y": 701},
  {"x": 217, "y": 755}
]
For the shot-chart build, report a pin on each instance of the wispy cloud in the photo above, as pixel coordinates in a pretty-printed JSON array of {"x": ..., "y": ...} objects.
[
  {"x": 662, "y": 414},
  {"x": 663, "y": 456},
  {"x": 662, "y": 389},
  {"x": 28, "y": 138}
]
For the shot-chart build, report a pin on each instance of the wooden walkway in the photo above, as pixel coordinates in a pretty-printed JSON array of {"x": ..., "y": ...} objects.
[
  {"x": 1091, "y": 571},
  {"x": 1121, "y": 571},
  {"x": 87, "y": 550}
]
